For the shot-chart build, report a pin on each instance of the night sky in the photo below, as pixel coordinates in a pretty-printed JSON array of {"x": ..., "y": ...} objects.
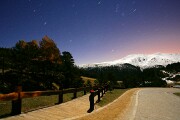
[{"x": 94, "y": 30}]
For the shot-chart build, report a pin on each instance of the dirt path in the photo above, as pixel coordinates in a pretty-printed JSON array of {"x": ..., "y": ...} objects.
[
  {"x": 66, "y": 110},
  {"x": 115, "y": 110}
]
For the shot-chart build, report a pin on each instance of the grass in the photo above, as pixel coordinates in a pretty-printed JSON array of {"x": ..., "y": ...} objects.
[
  {"x": 29, "y": 104},
  {"x": 5, "y": 108},
  {"x": 178, "y": 94},
  {"x": 85, "y": 79},
  {"x": 111, "y": 96}
]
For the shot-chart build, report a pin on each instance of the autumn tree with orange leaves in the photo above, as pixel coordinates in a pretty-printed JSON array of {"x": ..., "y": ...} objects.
[
  {"x": 38, "y": 65},
  {"x": 49, "y": 50},
  {"x": 37, "y": 62}
]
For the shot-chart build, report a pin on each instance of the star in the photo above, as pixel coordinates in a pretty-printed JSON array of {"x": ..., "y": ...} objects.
[
  {"x": 45, "y": 23},
  {"x": 117, "y": 8},
  {"x": 34, "y": 10},
  {"x": 132, "y": 12},
  {"x": 99, "y": 2}
]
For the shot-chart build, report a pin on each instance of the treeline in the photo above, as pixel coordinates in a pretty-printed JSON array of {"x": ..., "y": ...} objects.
[
  {"x": 173, "y": 69},
  {"x": 126, "y": 73},
  {"x": 37, "y": 66},
  {"x": 132, "y": 76}
]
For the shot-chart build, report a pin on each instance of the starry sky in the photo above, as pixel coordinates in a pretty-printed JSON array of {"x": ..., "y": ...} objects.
[{"x": 94, "y": 30}]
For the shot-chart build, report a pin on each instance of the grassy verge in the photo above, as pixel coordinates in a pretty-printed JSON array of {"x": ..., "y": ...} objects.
[
  {"x": 111, "y": 96},
  {"x": 29, "y": 104},
  {"x": 178, "y": 94}
]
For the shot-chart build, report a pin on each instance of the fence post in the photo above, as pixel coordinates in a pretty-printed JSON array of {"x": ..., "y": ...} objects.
[
  {"x": 99, "y": 97},
  {"x": 60, "y": 97},
  {"x": 85, "y": 90},
  {"x": 91, "y": 99},
  {"x": 16, "y": 104},
  {"x": 75, "y": 93},
  {"x": 104, "y": 89},
  {"x": 102, "y": 92}
]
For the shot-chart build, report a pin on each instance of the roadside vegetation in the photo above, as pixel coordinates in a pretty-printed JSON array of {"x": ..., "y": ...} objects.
[
  {"x": 178, "y": 94},
  {"x": 110, "y": 96}
]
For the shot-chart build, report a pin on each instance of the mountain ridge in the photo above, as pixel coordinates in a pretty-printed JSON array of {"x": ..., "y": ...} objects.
[{"x": 142, "y": 60}]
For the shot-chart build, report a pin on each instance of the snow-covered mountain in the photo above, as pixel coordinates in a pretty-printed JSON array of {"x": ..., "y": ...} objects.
[{"x": 142, "y": 60}]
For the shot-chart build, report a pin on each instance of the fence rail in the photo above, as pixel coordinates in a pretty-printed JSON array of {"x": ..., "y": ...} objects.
[
  {"x": 17, "y": 96},
  {"x": 8, "y": 97}
]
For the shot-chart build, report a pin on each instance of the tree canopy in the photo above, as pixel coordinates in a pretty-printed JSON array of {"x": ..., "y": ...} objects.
[{"x": 37, "y": 66}]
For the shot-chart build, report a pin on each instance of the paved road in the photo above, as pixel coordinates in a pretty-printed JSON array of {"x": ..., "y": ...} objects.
[{"x": 156, "y": 104}]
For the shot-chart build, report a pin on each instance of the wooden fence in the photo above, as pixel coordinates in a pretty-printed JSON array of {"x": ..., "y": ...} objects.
[
  {"x": 99, "y": 92},
  {"x": 17, "y": 96}
]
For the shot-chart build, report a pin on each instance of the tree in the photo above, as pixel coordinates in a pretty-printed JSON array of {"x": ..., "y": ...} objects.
[
  {"x": 38, "y": 65},
  {"x": 49, "y": 50},
  {"x": 71, "y": 72},
  {"x": 67, "y": 60},
  {"x": 32, "y": 50},
  {"x": 19, "y": 55},
  {"x": 24, "y": 53},
  {"x": 5, "y": 66},
  {"x": 96, "y": 82},
  {"x": 88, "y": 83},
  {"x": 129, "y": 74},
  {"x": 68, "y": 65},
  {"x": 5, "y": 59}
]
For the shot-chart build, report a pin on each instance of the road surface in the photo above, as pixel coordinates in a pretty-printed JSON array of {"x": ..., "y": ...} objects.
[{"x": 155, "y": 104}]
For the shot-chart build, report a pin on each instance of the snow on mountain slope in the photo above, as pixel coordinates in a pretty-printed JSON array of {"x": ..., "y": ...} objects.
[{"x": 142, "y": 60}]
